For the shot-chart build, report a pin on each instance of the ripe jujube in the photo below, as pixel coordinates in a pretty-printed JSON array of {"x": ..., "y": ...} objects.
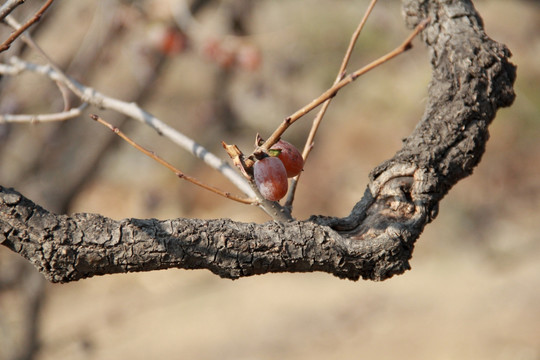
[
  {"x": 290, "y": 157},
  {"x": 271, "y": 178}
]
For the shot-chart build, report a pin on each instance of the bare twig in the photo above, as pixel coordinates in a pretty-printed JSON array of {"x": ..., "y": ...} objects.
[
  {"x": 93, "y": 97},
  {"x": 14, "y": 35},
  {"x": 354, "y": 38},
  {"x": 34, "y": 118},
  {"x": 318, "y": 119},
  {"x": 331, "y": 92},
  {"x": 8, "y": 7},
  {"x": 169, "y": 166}
]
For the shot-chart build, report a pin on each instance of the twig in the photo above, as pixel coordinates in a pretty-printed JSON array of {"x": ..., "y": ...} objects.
[
  {"x": 63, "y": 78},
  {"x": 93, "y": 97},
  {"x": 169, "y": 166},
  {"x": 60, "y": 116},
  {"x": 8, "y": 7},
  {"x": 318, "y": 119},
  {"x": 14, "y": 35},
  {"x": 331, "y": 92},
  {"x": 354, "y": 38}
]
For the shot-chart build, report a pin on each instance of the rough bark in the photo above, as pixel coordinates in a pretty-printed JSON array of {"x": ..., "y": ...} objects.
[{"x": 472, "y": 78}]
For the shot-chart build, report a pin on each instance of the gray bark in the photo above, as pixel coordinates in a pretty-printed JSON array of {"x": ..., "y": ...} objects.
[{"x": 472, "y": 79}]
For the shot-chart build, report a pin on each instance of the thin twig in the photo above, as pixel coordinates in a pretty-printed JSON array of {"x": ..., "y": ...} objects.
[
  {"x": 14, "y": 35},
  {"x": 8, "y": 7},
  {"x": 354, "y": 38},
  {"x": 93, "y": 97},
  {"x": 169, "y": 166},
  {"x": 60, "y": 116},
  {"x": 318, "y": 119},
  {"x": 331, "y": 92}
]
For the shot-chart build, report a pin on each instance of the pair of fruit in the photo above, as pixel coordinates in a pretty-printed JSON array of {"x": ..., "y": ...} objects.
[
  {"x": 271, "y": 172},
  {"x": 231, "y": 54}
]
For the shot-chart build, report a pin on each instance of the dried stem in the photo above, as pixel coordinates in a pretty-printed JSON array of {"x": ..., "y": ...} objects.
[
  {"x": 169, "y": 166},
  {"x": 318, "y": 119},
  {"x": 14, "y": 35}
]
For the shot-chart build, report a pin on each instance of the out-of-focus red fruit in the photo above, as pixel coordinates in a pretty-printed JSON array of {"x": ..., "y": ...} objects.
[
  {"x": 290, "y": 157},
  {"x": 173, "y": 41},
  {"x": 216, "y": 51},
  {"x": 248, "y": 57},
  {"x": 212, "y": 48},
  {"x": 271, "y": 178},
  {"x": 226, "y": 59}
]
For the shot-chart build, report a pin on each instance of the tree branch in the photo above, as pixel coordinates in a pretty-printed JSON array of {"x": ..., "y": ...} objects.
[
  {"x": 472, "y": 79},
  {"x": 7, "y": 43},
  {"x": 35, "y": 118},
  {"x": 67, "y": 248},
  {"x": 8, "y": 6}
]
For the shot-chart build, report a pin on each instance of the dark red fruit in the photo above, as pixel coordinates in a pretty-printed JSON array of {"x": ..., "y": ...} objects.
[
  {"x": 173, "y": 42},
  {"x": 290, "y": 156},
  {"x": 271, "y": 178}
]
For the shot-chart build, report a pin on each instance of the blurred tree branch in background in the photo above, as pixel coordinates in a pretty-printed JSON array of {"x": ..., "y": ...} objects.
[
  {"x": 9, "y": 7},
  {"x": 471, "y": 79}
]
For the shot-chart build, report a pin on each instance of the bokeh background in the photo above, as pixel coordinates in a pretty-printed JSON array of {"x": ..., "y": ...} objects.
[{"x": 474, "y": 288}]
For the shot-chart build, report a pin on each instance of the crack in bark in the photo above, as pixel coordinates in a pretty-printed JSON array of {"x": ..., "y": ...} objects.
[{"x": 472, "y": 79}]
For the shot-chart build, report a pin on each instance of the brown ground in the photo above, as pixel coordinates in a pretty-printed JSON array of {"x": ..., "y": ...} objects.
[{"x": 474, "y": 288}]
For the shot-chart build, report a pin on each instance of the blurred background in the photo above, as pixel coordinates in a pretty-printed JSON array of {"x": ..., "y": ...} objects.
[{"x": 225, "y": 70}]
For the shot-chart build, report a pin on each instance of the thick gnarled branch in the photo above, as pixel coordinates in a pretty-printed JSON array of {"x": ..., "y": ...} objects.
[
  {"x": 472, "y": 79},
  {"x": 67, "y": 248}
]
